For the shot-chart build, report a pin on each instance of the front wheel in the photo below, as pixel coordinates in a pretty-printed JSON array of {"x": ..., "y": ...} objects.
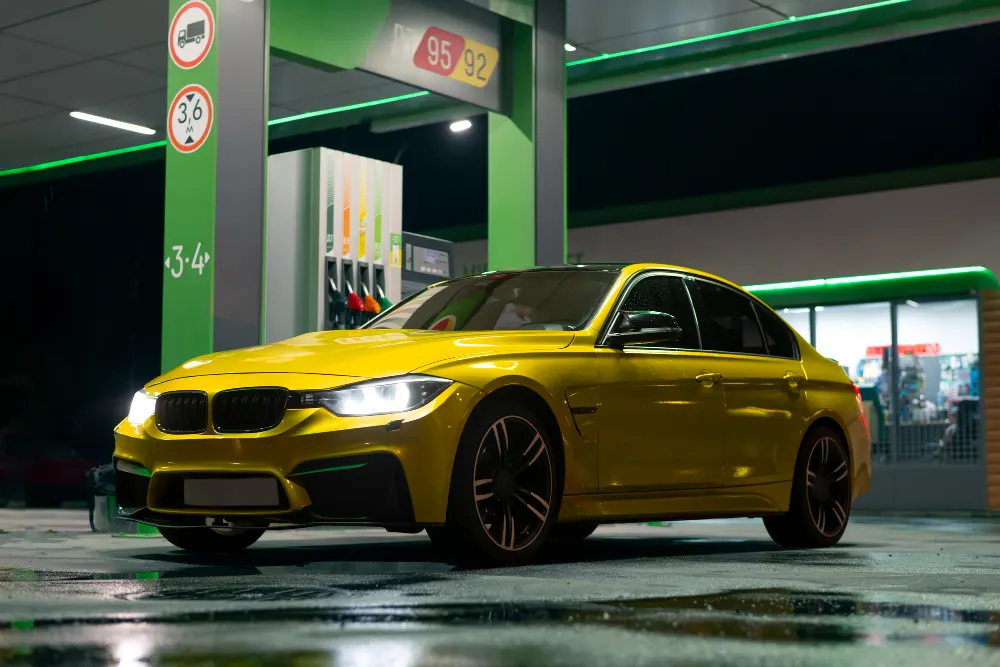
[
  {"x": 820, "y": 504},
  {"x": 506, "y": 487},
  {"x": 212, "y": 540}
]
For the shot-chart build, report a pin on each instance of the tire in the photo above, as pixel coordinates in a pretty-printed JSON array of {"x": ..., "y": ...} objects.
[
  {"x": 212, "y": 540},
  {"x": 571, "y": 533},
  {"x": 508, "y": 471},
  {"x": 820, "y": 504}
]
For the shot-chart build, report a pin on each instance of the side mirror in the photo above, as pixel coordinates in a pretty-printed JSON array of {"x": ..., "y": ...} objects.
[{"x": 643, "y": 326}]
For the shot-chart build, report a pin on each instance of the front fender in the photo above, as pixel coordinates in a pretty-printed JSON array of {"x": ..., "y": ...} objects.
[{"x": 548, "y": 375}]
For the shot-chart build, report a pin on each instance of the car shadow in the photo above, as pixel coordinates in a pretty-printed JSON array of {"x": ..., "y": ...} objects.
[{"x": 418, "y": 554}]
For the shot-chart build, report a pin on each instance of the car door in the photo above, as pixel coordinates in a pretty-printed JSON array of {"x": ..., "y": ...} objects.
[
  {"x": 762, "y": 380},
  {"x": 661, "y": 404}
]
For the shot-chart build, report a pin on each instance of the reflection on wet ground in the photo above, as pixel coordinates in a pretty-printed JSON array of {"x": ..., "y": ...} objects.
[
  {"x": 769, "y": 615},
  {"x": 718, "y": 594}
]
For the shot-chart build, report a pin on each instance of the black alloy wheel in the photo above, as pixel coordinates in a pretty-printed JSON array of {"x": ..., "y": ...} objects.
[
  {"x": 506, "y": 487},
  {"x": 820, "y": 504},
  {"x": 512, "y": 482},
  {"x": 828, "y": 489}
]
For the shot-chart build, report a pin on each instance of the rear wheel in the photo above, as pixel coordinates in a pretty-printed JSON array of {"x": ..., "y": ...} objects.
[
  {"x": 506, "y": 487},
  {"x": 820, "y": 505},
  {"x": 212, "y": 540}
]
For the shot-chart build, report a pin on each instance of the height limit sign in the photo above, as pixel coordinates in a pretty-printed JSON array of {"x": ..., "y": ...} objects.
[{"x": 190, "y": 119}]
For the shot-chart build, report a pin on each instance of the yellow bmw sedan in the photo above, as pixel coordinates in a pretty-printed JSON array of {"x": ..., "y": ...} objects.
[{"x": 504, "y": 410}]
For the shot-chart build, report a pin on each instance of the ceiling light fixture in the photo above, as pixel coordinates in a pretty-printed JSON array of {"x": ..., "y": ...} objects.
[
  {"x": 389, "y": 100},
  {"x": 460, "y": 125},
  {"x": 110, "y": 122},
  {"x": 569, "y": 47}
]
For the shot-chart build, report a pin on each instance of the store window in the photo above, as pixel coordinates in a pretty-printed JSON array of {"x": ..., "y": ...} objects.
[
  {"x": 859, "y": 338},
  {"x": 938, "y": 381},
  {"x": 798, "y": 319}
]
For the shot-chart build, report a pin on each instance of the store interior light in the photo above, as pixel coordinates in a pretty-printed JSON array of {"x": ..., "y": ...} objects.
[
  {"x": 569, "y": 47},
  {"x": 460, "y": 125},
  {"x": 911, "y": 302},
  {"x": 111, "y": 122}
]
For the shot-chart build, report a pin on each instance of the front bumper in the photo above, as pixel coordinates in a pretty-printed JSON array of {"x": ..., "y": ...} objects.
[{"x": 385, "y": 470}]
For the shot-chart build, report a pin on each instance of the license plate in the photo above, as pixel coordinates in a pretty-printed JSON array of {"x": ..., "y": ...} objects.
[{"x": 250, "y": 492}]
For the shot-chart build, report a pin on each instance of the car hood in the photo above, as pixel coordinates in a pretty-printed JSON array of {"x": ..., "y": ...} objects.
[{"x": 366, "y": 353}]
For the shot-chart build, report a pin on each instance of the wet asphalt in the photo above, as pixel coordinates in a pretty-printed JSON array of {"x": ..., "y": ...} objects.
[{"x": 897, "y": 591}]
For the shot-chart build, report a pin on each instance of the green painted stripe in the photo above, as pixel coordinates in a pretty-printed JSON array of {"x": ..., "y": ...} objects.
[
  {"x": 23, "y": 624},
  {"x": 313, "y": 472},
  {"x": 738, "y": 31},
  {"x": 147, "y": 576}
]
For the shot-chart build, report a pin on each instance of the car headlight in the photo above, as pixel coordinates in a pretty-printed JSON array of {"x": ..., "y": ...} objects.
[
  {"x": 143, "y": 407},
  {"x": 376, "y": 397}
]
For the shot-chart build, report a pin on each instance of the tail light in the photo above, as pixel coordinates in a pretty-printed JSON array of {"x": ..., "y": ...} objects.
[{"x": 861, "y": 407}]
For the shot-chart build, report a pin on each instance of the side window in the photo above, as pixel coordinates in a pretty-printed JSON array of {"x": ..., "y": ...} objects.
[
  {"x": 727, "y": 321},
  {"x": 780, "y": 340},
  {"x": 665, "y": 294}
]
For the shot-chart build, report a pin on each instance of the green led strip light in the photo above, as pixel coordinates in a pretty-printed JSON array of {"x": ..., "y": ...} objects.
[
  {"x": 158, "y": 144},
  {"x": 408, "y": 96},
  {"x": 739, "y": 31},
  {"x": 349, "y": 107},
  {"x": 875, "y": 278}
]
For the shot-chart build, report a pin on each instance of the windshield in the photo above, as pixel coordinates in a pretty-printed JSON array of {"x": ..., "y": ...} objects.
[{"x": 559, "y": 299}]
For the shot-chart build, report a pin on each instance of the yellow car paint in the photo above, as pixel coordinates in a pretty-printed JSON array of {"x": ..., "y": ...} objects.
[{"x": 655, "y": 434}]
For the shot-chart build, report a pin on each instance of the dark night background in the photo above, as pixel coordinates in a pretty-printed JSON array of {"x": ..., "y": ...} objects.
[{"x": 81, "y": 257}]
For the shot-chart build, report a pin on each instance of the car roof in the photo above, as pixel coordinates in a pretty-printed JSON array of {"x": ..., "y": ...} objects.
[{"x": 626, "y": 269}]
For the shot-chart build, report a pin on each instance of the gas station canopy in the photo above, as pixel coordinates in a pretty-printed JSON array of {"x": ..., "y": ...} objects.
[{"x": 107, "y": 58}]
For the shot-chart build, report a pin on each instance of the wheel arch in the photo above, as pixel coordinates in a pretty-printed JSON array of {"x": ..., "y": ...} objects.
[
  {"x": 509, "y": 388},
  {"x": 832, "y": 421}
]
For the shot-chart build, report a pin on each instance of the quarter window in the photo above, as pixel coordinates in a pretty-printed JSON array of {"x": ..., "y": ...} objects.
[
  {"x": 665, "y": 294},
  {"x": 727, "y": 321},
  {"x": 779, "y": 339}
]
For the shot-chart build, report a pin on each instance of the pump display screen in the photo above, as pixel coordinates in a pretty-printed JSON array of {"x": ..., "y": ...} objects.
[{"x": 430, "y": 261}]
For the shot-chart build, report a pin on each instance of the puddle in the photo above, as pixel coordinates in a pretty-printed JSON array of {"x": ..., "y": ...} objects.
[{"x": 775, "y": 615}]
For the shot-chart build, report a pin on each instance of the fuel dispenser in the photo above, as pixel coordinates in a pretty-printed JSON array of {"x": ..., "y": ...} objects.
[
  {"x": 428, "y": 261},
  {"x": 335, "y": 246}
]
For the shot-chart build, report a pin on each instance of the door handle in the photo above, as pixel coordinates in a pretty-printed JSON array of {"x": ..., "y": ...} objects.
[
  {"x": 708, "y": 379},
  {"x": 793, "y": 379}
]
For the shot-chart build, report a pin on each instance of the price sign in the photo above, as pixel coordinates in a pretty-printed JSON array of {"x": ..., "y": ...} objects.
[
  {"x": 451, "y": 48},
  {"x": 196, "y": 261},
  {"x": 451, "y": 55}
]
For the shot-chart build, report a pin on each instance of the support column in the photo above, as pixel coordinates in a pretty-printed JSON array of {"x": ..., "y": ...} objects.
[
  {"x": 550, "y": 132},
  {"x": 526, "y": 151},
  {"x": 214, "y": 213}
]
